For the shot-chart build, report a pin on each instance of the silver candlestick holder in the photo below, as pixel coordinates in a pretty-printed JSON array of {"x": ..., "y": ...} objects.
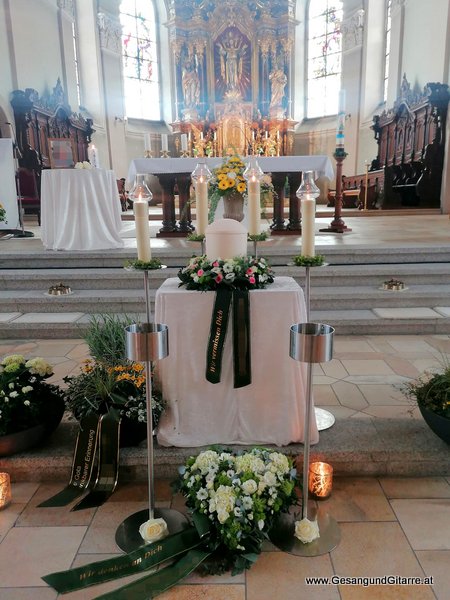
[
  {"x": 147, "y": 343},
  {"x": 311, "y": 343}
]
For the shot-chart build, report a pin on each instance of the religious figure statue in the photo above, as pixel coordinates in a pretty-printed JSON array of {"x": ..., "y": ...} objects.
[
  {"x": 231, "y": 52},
  {"x": 191, "y": 85},
  {"x": 278, "y": 81}
]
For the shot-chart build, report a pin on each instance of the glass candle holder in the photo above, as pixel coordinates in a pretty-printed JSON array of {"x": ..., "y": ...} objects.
[
  {"x": 320, "y": 481},
  {"x": 5, "y": 490}
]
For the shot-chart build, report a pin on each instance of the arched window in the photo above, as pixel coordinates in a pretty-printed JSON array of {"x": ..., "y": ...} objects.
[
  {"x": 140, "y": 60},
  {"x": 387, "y": 47},
  {"x": 324, "y": 57}
]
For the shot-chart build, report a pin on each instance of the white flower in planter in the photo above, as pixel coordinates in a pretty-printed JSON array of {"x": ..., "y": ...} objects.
[{"x": 306, "y": 531}]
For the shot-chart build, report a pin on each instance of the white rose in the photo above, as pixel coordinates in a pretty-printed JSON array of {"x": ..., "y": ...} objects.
[
  {"x": 78, "y": 165},
  {"x": 306, "y": 531},
  {"x": 249, "y": 487},
  {"x": 153, "y": 530}
]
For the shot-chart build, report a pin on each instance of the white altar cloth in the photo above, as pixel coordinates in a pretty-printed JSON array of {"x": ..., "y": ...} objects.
[
  {"x": 268, "y": 411},
  {"x": 80, "y": 210},
  {"x": 269, "y": 164}
]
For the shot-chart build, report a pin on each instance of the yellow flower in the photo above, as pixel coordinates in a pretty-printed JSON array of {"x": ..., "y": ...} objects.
[
  {"x": 241, "y": 187},
  {"x": 221, "y": 176},
  {"x": 230, "y": 182},
  {"x": 223, "y": 184}
]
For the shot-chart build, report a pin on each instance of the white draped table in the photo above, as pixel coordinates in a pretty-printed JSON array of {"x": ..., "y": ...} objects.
[
  {"x": 268, "y": 411},
  {"x": 80, "y": 210}
]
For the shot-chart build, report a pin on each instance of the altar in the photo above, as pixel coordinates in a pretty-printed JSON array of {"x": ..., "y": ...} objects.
[{"x": 268, "y": 411}]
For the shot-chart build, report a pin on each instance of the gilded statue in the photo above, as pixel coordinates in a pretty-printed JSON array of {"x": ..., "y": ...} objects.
[
  {"x": 231, "y": 52},
  {"x": 191, "y": 85},
  {"x": 278, "y": 81}
]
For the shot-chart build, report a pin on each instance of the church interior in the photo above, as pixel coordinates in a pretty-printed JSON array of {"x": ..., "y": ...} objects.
[{"x": 101, "y": 99}]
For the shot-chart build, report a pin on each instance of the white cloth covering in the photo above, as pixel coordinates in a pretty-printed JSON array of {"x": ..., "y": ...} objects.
[
  {"x": 270, "y": 410},
  {"x": 80, "y": 210}
]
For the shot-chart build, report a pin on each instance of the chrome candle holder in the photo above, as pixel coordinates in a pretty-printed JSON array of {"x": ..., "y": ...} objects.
[
  {"x": 310, "y": 343},
  {"x": 147, "y": 342}
]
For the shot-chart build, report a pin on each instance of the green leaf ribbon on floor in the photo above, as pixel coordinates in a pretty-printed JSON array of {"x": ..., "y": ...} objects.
[{"x": 187, "y": 543}]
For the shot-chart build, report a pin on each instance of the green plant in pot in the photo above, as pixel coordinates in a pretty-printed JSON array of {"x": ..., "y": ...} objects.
[
  {"x": 111, "y": 382},
  {"x": 30, "y": 408},
  {"x": 431, "y": 392}
]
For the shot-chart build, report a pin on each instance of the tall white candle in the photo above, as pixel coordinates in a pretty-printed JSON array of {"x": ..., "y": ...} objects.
[
  {"x": 184, "y": 142},
  {"x": 140, "y": 208},
  {"x": 308, "y": 210},
  {"x": 147, "y": 142},
  {"x": 254, "y": 206},
  {"x": 164, "y": 142},
  {"x": 340, "y": 121},
  {"x": 201, "y": 203}
]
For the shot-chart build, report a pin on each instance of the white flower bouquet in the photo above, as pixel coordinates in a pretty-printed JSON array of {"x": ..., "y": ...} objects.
[
  {"x": 83, "y": 165},
  {"x": 26, "y": 399},
  {"x": 241, "y": 494}
]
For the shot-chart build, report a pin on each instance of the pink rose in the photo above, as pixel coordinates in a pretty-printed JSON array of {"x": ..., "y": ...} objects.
[
  {"x": 249, "y": 271},
  {"x": 215, "y": 264},
  {"x": 200, "y": 272},
  {"x": 219, "y": 278},
  {"x": 252, "y": 279}
]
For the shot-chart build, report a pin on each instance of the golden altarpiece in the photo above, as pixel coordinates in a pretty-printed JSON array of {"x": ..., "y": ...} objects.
[{"x": 232, "y": 75}]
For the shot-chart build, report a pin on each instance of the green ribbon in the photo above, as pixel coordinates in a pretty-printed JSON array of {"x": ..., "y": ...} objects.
[
  {"x": 141, "y": 559},
  {"x": 82, "y": 464},
  {"x": 217, "y": 334},
  {"x": 241, "y": 339},
  {"x": 108, "y": 463},
  {"x": 151, "y": 586}
]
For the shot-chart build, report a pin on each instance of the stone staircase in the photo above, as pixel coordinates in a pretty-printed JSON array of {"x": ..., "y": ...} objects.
[{"x": 345, "y": 293}]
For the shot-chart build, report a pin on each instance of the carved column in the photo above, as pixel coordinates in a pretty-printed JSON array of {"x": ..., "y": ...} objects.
[
  {"x": 184, "y": 185},
  {"x": 278, "y": 226}
]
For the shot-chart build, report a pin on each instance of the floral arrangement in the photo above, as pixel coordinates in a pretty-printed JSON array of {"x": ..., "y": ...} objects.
[
  {"x": 26, "y": 399},
  {"x": 308, "y": 261},
  {"x": 241, "y": 494},
  {"x": 229, "y": 179},
  {"x": 431, "y": 391},
  {"x": 100, "y": 387},
  {"x": 83, "y": 165},
  {"x": 144, "y": 265},
  {"x": 243, "y": 272},
  {"x": 2, "y": 213}
]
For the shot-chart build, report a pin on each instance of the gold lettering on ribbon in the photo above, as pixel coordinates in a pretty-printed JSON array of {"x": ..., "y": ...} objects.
[
  {"x": 116, "y": 568},
  {"x": 215, "y": 346}
]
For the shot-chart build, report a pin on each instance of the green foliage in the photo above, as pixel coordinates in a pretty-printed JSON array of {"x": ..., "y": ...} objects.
[
  {"x": 144, "y": 265},
  {"x": 308, "y": 261},
  {"x": 105, "y": 337},
  {"x": 431, "y": 391},
  {"x": 195, "y": 237}
]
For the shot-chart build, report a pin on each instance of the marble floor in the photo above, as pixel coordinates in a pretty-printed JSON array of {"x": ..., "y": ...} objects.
[{"x": 389, "y": 526}]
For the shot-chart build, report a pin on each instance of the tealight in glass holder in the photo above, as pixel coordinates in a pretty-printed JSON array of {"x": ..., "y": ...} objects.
[
  {"x": 5, "y": 490},
  {"x": 320, "y": 480}
]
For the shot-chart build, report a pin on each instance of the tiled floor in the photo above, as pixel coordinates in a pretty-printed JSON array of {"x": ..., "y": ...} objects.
[{"x": 398, "y": 527}]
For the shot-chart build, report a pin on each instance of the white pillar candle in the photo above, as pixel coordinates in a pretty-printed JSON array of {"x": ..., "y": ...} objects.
[
  {"x": 184, "y": 142},
  {"x": 254, "y": 206},
  {"x": 201, "y": 204},
  {"x": 340, "y": 121},
  {"x": 147, "y": 142},
  {"x": 140, "y": 208},
  {"x": 164, "y": 142},
  {"x": 308, "y": 209},
  {"x": 93, "y": 156}
]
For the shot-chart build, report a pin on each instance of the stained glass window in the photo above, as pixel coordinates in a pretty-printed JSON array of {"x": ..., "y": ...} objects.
[
  {"x": 324, "y": 57},
  {"x": 140, "y": 60},
  {"x": 387, "y": 47}
]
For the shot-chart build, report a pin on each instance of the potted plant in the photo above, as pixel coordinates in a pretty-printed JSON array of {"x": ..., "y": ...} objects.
[
  {"x": 30, "y": 408},
  {"x": 431, "y": 391}
]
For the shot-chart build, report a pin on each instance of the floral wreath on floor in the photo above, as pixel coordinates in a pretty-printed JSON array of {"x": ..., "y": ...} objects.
[
  {"x": 242, "y": 272},
  {"x": 2, "y": 213},
  {"x": 241, "y": 494}
]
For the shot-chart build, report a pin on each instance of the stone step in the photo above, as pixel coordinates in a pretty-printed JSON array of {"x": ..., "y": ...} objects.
[
  {"x": 326, "y": 276},
  {"x": 372, "y": 446}
]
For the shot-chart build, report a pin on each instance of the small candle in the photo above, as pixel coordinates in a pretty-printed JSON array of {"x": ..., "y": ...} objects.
[
  {"x": 140, "y": 209},
  {"x": 215, "y": 136},
  {"x": 340, "y": 121},
  {"x": 184, "y": 142},
  {"x": 164, "y": 142},
  {"x": 147, "y": 142},
  {"x": 308, "y": 211},
  {"x": 93, "y": 156},
  {"x": 201, "y": 196},
  {"x": 5, "y": 490},
  {"x": 320, "y": 480},
  {"x": 201, "y": 135},
  {"x": 254, "y": 206}
]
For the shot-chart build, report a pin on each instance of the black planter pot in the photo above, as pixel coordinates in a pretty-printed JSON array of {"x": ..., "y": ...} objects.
[{"x": 438, "y": 424}]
